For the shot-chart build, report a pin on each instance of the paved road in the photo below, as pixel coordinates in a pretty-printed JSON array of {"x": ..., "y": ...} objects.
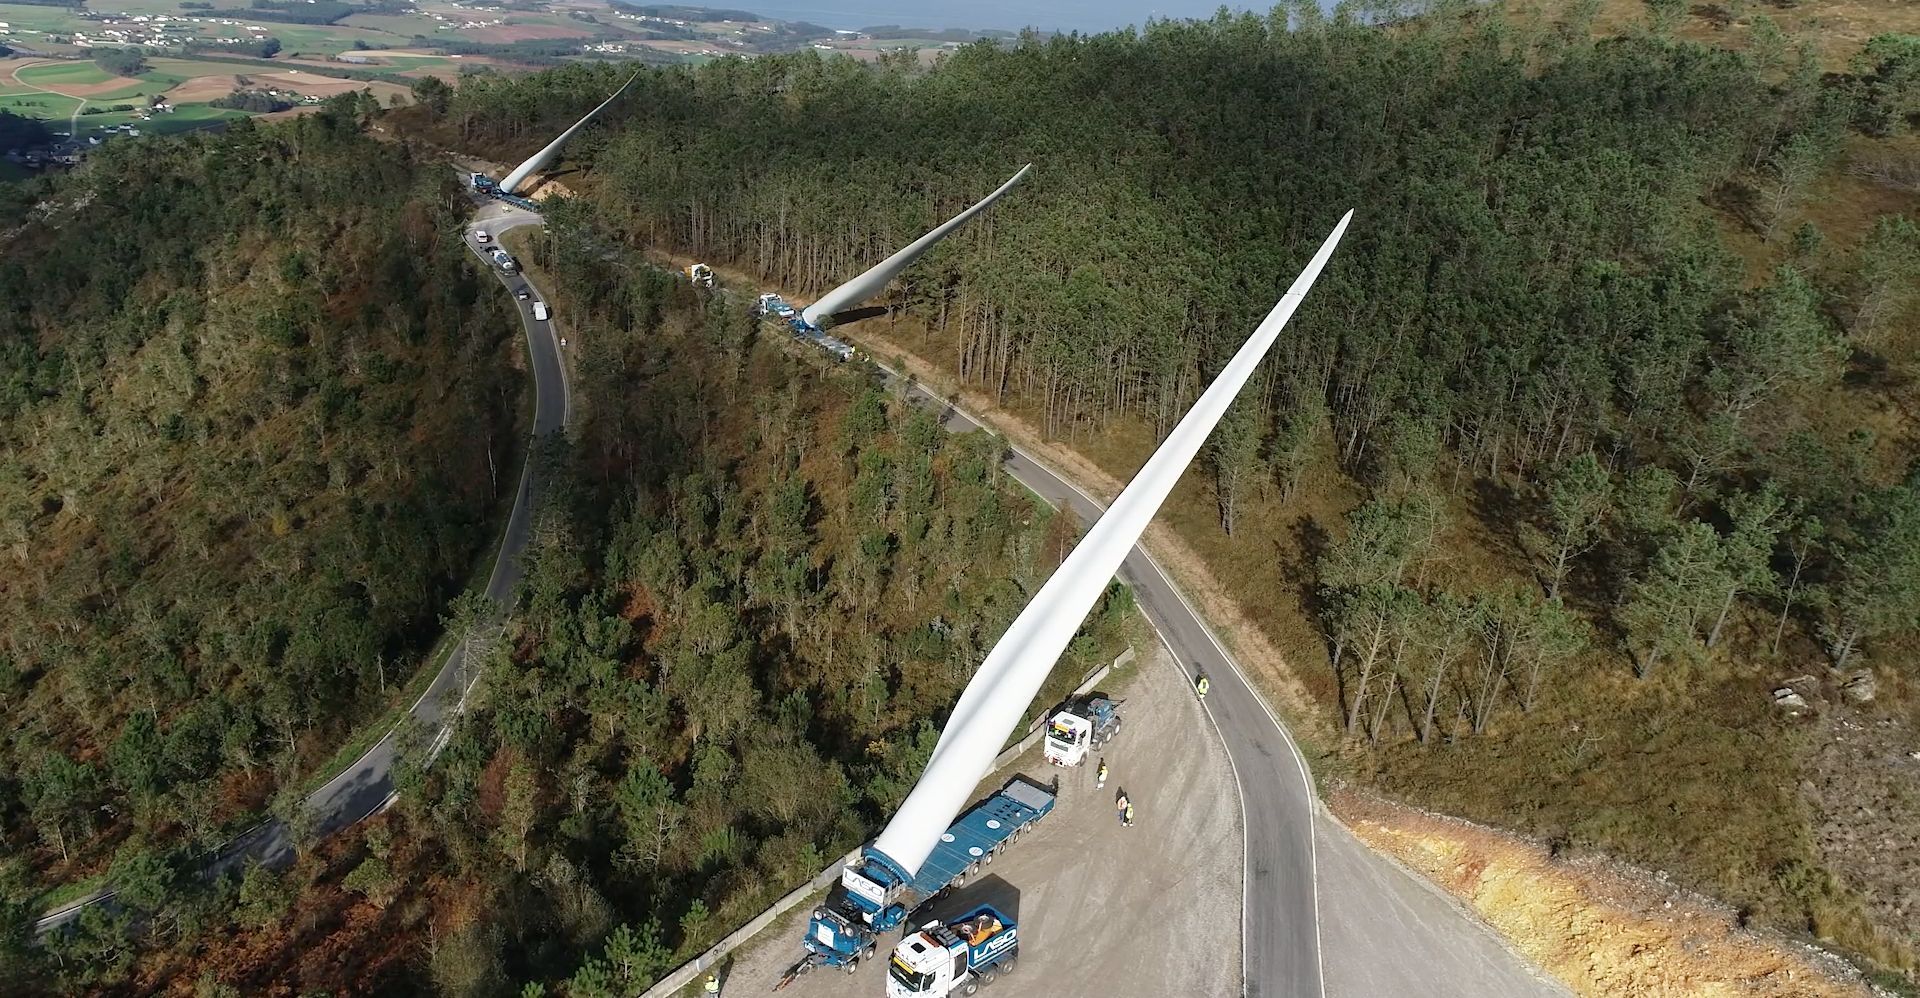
[
  {"x": 366, "y": 786},
  {"x": 1322, "y": 913}
]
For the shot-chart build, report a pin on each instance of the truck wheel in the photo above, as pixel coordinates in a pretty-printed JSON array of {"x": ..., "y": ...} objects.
[
  {"x": 970, "y": 988},
  {"x": 849, "y": 966},
  {"x": 867, "y": 954},
  {"x": 1006, "y": 966},
  {"x": 973, "y": 868},
  {"x": 986, "y": 978}
]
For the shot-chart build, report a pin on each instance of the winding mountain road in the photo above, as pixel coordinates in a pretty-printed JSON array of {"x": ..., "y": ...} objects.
[{"x": 366, "y": 787}]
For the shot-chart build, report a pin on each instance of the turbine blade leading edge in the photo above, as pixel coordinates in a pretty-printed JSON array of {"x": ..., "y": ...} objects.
[
  {"x": 1014, "y": 670},
  {"x": 870, "y": 283}
]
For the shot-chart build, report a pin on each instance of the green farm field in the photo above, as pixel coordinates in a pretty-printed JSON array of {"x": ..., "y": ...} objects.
[
  {"x": 53, "y": 75},
  {"x": 21, "y": 17},
  {"x": 39, "y": 105},
  {"x": 185, "y": 118}
]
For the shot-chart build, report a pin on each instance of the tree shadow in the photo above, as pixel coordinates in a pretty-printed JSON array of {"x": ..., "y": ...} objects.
[
  {"x": 1311, "y": 541},
  {"x": 989, "y": 888},
  {"x": 1496, "y": 505},
  {"x": 1713, "y": 13}
]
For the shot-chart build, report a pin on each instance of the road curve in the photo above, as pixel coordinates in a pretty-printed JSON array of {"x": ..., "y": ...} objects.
[
  {"x": 1387, "y": 931},
  {"x": 366, "y": 787}
]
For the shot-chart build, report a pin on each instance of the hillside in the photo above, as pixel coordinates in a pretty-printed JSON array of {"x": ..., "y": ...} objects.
[
  {"x": 754, "y": 581},
  {"x": 1598, "y": 431},
  {"x": 253, "y": 402}
]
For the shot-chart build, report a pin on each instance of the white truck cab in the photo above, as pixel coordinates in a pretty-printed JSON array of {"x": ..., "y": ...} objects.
[
  {"x": 540, "y": 311},
  {"x": 1069, "y": 739},
  {"x": 959, "y": 957},
  {"x": 1079, "y": 727}
]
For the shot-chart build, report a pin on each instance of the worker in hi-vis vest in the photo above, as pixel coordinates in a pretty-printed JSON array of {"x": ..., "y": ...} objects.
[
  {"x": 712, "y": 986},
  {"x": 1200, "y": 684}
]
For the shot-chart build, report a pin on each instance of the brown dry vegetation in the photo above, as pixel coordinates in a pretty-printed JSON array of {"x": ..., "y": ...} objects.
[
  {"x": 329, "y": 939},
  {"x": 89, "y": 89},
  {"x": 1837, "y": 28},
  {"x": 201, "y": 89},
  {"x": 1599, "y": 928}
]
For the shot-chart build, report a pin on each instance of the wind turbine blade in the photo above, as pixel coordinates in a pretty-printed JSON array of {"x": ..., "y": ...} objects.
[
  {"x": 870, "y": 283},
  {"x": 538, "y": 161},
  {"x": 1014, "y": 670}
]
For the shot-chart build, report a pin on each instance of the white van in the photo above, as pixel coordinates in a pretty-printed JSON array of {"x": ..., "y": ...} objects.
[{"x": 540, "y": 311}]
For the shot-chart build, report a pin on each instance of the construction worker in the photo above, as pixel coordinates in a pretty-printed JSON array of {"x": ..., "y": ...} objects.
[
  {"x": 1126, "y": 817},
  {"x": 712, "y": 986},
  {"x": 1100, "y": 778},
  {"x": 1201, "y": 685}
]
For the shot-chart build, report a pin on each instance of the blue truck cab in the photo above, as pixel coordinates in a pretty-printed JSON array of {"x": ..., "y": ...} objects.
[{"x": 874, "y": 895}]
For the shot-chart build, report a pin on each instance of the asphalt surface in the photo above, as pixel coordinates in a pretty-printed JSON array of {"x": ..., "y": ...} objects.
[
  {"x": 366, "y": 787},
  {"x": 1102, "y": 910}
]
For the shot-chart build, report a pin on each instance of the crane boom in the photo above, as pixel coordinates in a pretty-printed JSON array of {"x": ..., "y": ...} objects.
[{"x": 1014, "y": 670}]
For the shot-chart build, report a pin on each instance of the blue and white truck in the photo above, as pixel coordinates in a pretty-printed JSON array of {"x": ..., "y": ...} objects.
[
  {"x": 875, "y": 895},
  {"x": 772, "y": 305},
  {"x": 957, "y": 957},
  {"x": 489, "y": 187}
]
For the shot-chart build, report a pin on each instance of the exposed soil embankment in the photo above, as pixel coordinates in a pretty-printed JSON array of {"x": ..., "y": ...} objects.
[{"x": 1599, "y": 928}]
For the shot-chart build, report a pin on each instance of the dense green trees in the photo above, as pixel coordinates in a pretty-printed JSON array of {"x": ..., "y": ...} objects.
[
  {"x": 756, "y": 583},
  {"x": 1534, "y": 288},
  {"x": 247, "y": 389},
  {"x": 17, "y": 132},
  {"x": 120, "y": 62}
]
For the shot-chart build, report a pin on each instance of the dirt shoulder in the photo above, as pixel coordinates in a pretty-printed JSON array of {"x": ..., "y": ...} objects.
[{"x": 1600, "y": 928}]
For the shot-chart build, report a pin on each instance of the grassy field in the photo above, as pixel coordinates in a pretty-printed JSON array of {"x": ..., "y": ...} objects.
[
  {"x": 139, "y": 7},
  {"x": 185, "y": 118},
  {"x": 32, "y": 18},
  {"x": 325, "y": 39},
  {"x": 177, "y": 71},
  {"x": 39, "y": 105},
  {"x": 393, "y": 24},
  {"x": 415, "y": 61},
  {"x": 53, "y": 75}
]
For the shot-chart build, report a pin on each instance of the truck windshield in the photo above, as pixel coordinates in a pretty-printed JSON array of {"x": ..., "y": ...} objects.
[{"x": 908, "y": 978}]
